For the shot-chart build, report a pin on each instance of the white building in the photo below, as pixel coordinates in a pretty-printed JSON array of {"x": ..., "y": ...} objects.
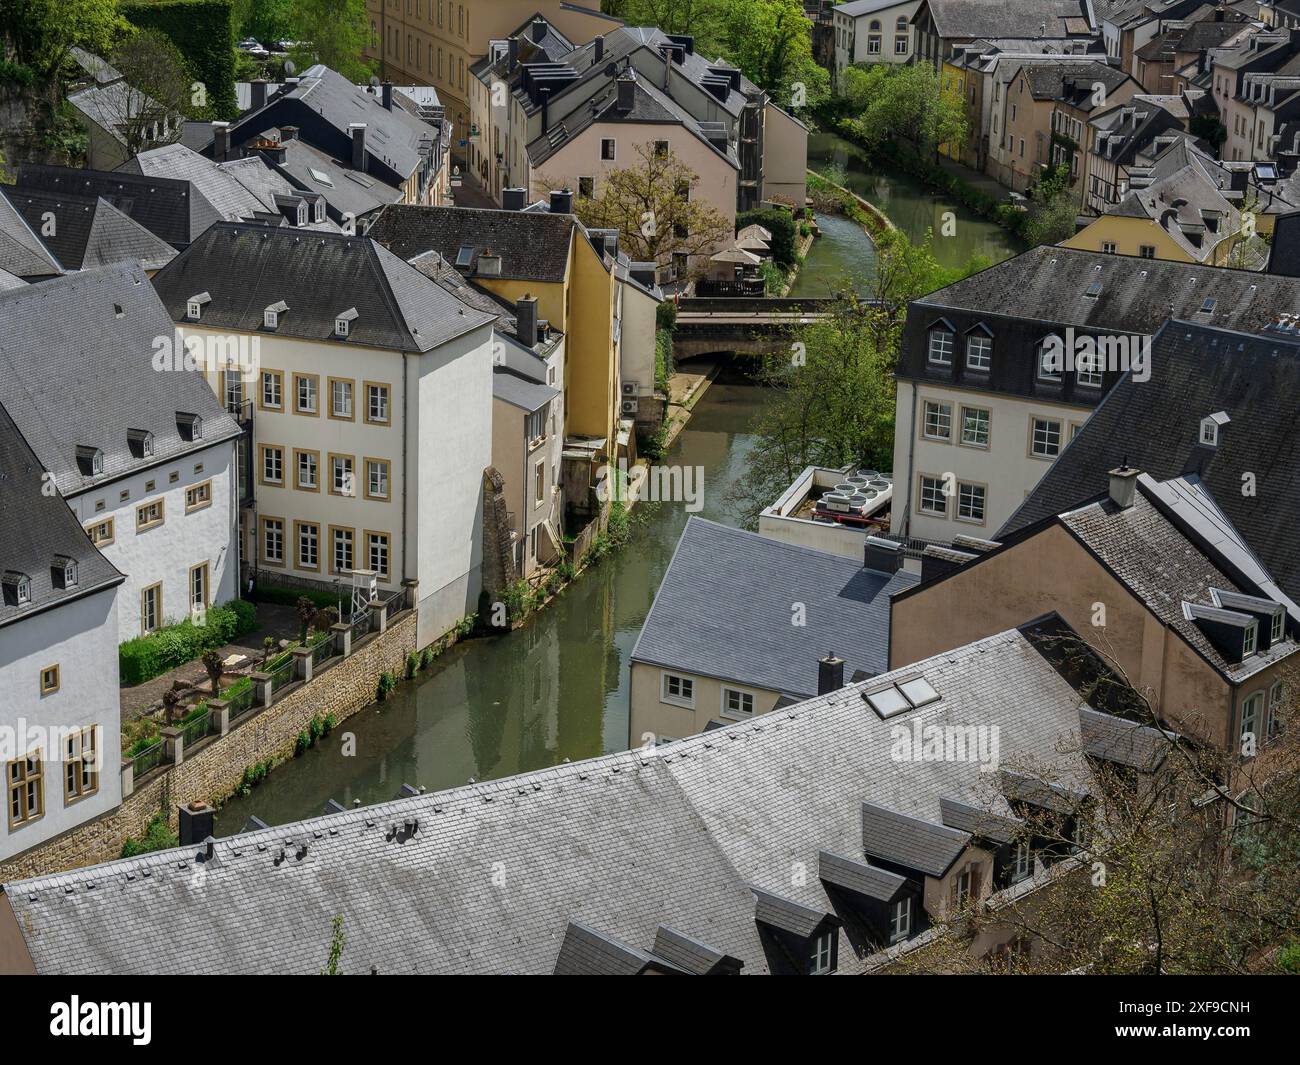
[
  {"x": 137, "y": 446},
  {"x": 59, "y": 721},
  {"x": 367, "y": 392},
  {"x": 874, "y": 31}
]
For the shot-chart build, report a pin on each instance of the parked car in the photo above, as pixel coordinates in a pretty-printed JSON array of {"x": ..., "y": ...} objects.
[{"x": 251, "y": 46}]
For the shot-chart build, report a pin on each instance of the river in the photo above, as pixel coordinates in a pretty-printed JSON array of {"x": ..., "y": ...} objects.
[{"x": 555, "y": 689}]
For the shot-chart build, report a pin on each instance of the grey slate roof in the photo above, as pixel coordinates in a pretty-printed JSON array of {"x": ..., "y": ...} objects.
[
  {"x": 721, "y": 578},
  {"x": 981, "y": 823},
  {"x": 586, "y": 952},
  {"x": 246, "y": 268},
  {"x": 36, "y": 526},
  {"x": 925, "y": 846},
  {"x": 100, "y": 326},
  {"x": 534, "y": 246},
  {"x": 1024, "y": 19},
  {"x": 520, "y": 392},
  {"x": 688, "y": 953},
  {"x": 345, "y": 189},
  {"x": 1155, "y": 425},
  {"x": 777, "y": 911},
  {"x": 87, "y": 232},
  {"x": 21, "y": 252},
  {"x": 1127, "y": 743},
  {"x": 623, "y": 844},
  {"x": 853, "y": 874},
  {"x": 8, "y": 281},
  {"x": 235, "y": 190}
]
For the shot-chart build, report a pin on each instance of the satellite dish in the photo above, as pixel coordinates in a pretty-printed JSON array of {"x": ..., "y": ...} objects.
[
  {"x": 374, "y": 80},
  {"x": 289, "y": 69}
]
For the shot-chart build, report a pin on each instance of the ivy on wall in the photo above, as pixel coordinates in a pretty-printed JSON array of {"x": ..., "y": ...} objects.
[{"x": 204, "y": 31}]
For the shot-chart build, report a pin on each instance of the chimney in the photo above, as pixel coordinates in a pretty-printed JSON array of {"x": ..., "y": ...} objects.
[
  {"x": 288, "y": 133},
  {"x": 562, "y": 201},
  {"x": 597, "y": 49},
  {"x": 526, "y": 320},
  {"x": 940, "y": 561},
  {"x": 259, "y": 93},
  {"x": 539, "y": 29},
  {"x": 195, "y": 821},
  {"x": 489, "y": 263},
  {"x": 512, "y": 54},
  {"x": 830, "y": 674},
  {"x": 220, "y": 141},
  {"x": 388, "y": 95},
  {"x": 626, "y": 91},
  {"x": 1123, "y": 486},
  {"x": 514, "y": 199},
  {"x": 545, "y": 94},
  {"x": 358, "y": 131},
  {"x": 884, "y": 556}
]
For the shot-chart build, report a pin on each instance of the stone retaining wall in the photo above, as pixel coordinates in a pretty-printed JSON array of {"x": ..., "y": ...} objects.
[{"x": 216, "y": 769}]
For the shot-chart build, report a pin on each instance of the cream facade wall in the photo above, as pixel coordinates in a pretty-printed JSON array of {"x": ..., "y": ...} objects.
[
  {"x": 652, "y": 720},
  {"x": 785, "y": 156},
  {"x": 81, "y": 639},
  {"x": 162, "y": 555},
  {"x": 1123, "y": 235},
  {"x": 637, "y": 347},
  {"x": 884, "y": 36},
  {"x": 1006, "y": 469}
]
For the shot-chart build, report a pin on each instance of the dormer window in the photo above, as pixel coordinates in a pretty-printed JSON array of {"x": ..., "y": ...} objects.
[
  {"x": 190, "y": 426},
  {"x": 1277, "y": 628},
  {"x": 941, "y": 345},
  {"x": 140, "y": 443},
  {"x": 17, "y": 588},
  {"x": 302, "y": 214},
  {"x": 1051, "y": 358},
  {"x": 1249, "y": 639},
  {"x": 1210, "y": 427},
  {"x": 979, "y": 350},
  {"x": 271, "y": 316},
  {"x": 822, "y": 958},
  {"x": 63, "y": 571},
  {"x": 194, "y": 306},
  {"x": 343, "y": 323},
  {"x": 900, "y": 919},
  {"x": 90, "y": 460},
  {"x": 318, "y": 210}
]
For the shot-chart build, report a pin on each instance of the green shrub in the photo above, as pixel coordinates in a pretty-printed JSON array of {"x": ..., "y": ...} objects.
[
  {"x": 427, "y": 658},
  {"x": 387, "y": 682},
  {"x": 158, "y": 836},
  {"x": 204, "y": 32},
  {"x": 781, "y": 225},
  {"x": 666, "y": 316},
  {"x": 302, "y": 743},
  {"x": 146, "y": 657},
  {"x": 665, "y": 365},
  {"x": 412, "y": 664},
  {"x": 290, "y": 596}
]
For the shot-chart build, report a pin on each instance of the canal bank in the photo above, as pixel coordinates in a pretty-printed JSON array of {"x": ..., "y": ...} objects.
[{"x": 553, "y": 689}]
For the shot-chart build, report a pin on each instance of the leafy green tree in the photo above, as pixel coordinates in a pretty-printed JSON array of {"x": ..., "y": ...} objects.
[
  {"x": 336, "y": 948},
  {"x": 910, "y": 102},
  {"x": 269, "y": 20},
  {"x": 1052, "y": 210},
  {"x": 41, "y": 33},
  {"x": 158, "y": 90},
  {"x": 333, "y": 32},
  {"x": 771, "y": 42}
]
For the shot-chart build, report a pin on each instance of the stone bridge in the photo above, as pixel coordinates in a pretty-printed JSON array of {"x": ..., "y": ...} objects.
[{"x": 707, "y": 326}]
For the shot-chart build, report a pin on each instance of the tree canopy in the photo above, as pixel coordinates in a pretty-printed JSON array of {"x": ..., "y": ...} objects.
[
  {"x": 333, "y": 32},
  {"x": 910, "y": 102}
]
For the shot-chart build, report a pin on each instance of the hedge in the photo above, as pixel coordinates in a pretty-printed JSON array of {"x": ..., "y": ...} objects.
[
  {"x": 205, "y": 33},
  {"x": 150, "y": 656},
  {"x": 270, "y": 593},
  {"x": 781, "y": 225}
]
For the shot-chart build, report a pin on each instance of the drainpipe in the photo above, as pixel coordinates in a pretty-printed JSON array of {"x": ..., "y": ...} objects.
[
  {"x": 906, "y": 527},
  {"x": 406, "y": 470}
]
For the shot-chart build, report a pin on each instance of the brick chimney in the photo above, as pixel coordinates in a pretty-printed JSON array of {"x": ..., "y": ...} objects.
[
  {"x": 830, "y": 674},
  {"x": 220, "y": 141},
  {"x": 195, "y": 821},
  {"x": 1123, "y": 485},
  {"x": 526, "y": 320}
]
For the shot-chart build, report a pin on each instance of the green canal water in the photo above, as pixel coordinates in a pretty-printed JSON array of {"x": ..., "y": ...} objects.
[{"x": 555, "y": 689}]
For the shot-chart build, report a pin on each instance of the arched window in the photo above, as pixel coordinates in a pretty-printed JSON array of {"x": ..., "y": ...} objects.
[{"x": 873, "y": 37}]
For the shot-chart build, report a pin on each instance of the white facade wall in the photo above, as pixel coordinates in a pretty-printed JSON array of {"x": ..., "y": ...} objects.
[
  {"x": 637, "y": 350},
  {"x": 81, "y": 638},
  {"x": 853, "y": 36},
  {"x": 164, "y": 554},
  {"x": 1006, "y": 469}
]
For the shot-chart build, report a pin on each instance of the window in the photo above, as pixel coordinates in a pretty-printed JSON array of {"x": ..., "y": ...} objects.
[
  {"x": 1249, "y": 639},
  {"x": 680, "y": 691},
  {"x": 1275, "y": 695},
  {"x": 1022, "y": 861},
  {"x": 736, "y": 703},
  {"x": 272, "y": 464},
  {"x": 233, "y": 390},
  {"x": 900, "y": 46},
  {"x": 308, "y": 470},
  {"x": 377, "y": 403},
  {"x": 975, "y": 426},
  {"x": 198, "y": 496},
  {"x": 1088, "y": 370},
  {"x": 970, "y": 502},
  {"x": 308, "y": 545},
  {"x": 900, "y": 919},
  {"x": 147, "y": 515},
  {"x": 608, "y": 149},
  {"x": 376, "y": 479},
  {"x": 1045, "y": 438},
  {"x": 341, "y": 398},
  {"x": 1147, "y": 251},
  {"x": 306, "y": 388},
  {"x": 979, "y": 351},
  {"x": 1276, "y": 628},
  {"x": 873, "y": 37},
  {"x": 49, "y": 680},
  {"x": 941, "y": 347},
  {"x": 1050, "y": 359},
  {"x": 199, "y": 587},
  {"x": 151, "y": 609},
  {"x": 938, "y": 420},
  {"x": 1209, "y": 432},
  {"x": 932, "y": 499},
  {"x": 539, "y": 483},
  {"x": 342, "y": 542},
  {"x": 81, "y": 764},
  {"x": 1108, "y": 247},
  {"x": 24, "y": 777},
  {"x": 273, "y": 541},
  {"x": 341, "y": 482},
  {"x": 377, "y": 552},
  {"x": 821, "y": 960},
  {"x": 963, "y": 888},
  {"x": 661, "y": 149},
  {"x": 101, "y": 533}
]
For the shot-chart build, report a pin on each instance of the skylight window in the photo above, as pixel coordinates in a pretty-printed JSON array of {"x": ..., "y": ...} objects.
[
  {"x": 889, "y": 702},
  {"x": 919, "y": 691},
  {"x": 907, "y": 694},
  {"x": 321, "y": 177},
  {"x": 465, "y": 256},
  {"x": 1093, "y": 291},
  {"x": 1208, "y": 306}
]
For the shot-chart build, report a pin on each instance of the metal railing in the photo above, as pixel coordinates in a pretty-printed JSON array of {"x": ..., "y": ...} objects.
[
  {"x": 195, "y": 731},
  {"x": 150, "y": 758},
  {"x": 241, "y": 702},
  {"x": 360, "y": 629},
  {"x": 322, "y": 650},
  {"x": 282, "y": 675}
]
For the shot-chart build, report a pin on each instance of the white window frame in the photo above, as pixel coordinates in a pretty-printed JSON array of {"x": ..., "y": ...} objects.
[
  {"x": 1276, "y": 693},
  {"x": 987, "y": 427},
  {"x": 736, "y": 715},
  {"x": 921, "y": 495},
  {"x": 983, "y": 492},
  {"x": 981, "y": 361},
  {"x": 943, "y": 417},
  {"x": 1022, "y": 858},
  {"x": 684, "y": 683},
  {"x": 1277, "y": 628},
  {"x": 900, "y": 919},
  {"x": 1034, "y": 422},
  {"x": 944, "y": 350},
  {"x": 822, "y": 960},
  {"x": 1250, "y": 639}
]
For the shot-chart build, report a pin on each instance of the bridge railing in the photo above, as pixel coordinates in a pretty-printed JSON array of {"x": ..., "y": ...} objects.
[{"x": 758, "y": 305}]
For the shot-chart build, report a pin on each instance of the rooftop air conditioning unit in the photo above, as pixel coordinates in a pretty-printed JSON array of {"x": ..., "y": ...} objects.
[
  {"x": 629, "y": 406},
  {"x": 629, "y": 388}
]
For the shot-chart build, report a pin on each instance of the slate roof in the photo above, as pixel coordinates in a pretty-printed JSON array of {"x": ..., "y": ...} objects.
[
  {"x": 346, "y": 190},
  {"x": 520, "y": 392},
  {"x": 1024, "y": 19},
  {"x": 76, "y": 369},
  {"x": 533, "y": 245},
  {"x": 586, "y": 952},
  {"x": 247, "y": 268},
  {"x": 688, "y": 953},
  {"x": 981, "y": 823},
  {"x": 721, "y": 578},
  {"x": 87, "y": 232},
  {"x": 927, "y": 847},
  {"x": 109, "y": 104},
  {"x": 1155, "y": 424},
  {"x": 35, "y": 526},
  {"x": 852, "y": 874},
  {"x": 856, "y": 8},
  {"x": 777, "y": 911},
  {"x": 164, "y": 206},
  {"x": 21, "y": 252},
  {"x": 623, "y": 844},
  {"x": 1127, "y": 743},
  {"x": 8, "y": 281}
]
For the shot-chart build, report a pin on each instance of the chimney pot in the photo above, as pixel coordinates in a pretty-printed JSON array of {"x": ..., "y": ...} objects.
[
  {"x": 562, "y": 201},
  {"x": 259, "y": 93},
  {"x": 1123, "y": 485},
  {"x": 597, "y": 48},
  {"x": 513, "y": 199},
  {"x": 195, "y": 822},
  {"x": 830, "y": 674},
  {"x": 388, "y": 95},
  {"x": 220, "y": 141},
  {"x": 539, "y": 28}
]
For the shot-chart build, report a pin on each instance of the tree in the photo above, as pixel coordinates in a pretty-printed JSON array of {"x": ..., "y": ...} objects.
[
  {"x": 1052, "y": 210},
  {"x": 269, "y": 20},
  {"x": 171, "y": 699},
  {"x": 306, "y": 616},
  {"x": 904, "y": 101},
  {"x": 41, "y": 33},
  {"x": 336, "y": 948},
  {"x": 771, "y": 42},
  {"x": 155, "y": 93},
  {"x": 212, "y": 662},
  {"x": 651, "y": 205},
  {"x": 333, "y": 32}
]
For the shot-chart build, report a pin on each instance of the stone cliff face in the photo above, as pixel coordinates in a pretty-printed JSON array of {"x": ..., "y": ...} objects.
[{"x": 37, "y": 126}]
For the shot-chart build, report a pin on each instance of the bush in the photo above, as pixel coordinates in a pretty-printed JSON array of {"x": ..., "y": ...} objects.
[
  {"x": 781, "y": 225},
  {"x": 387, "y": 682},
  {"x": 150, "y": 656},
  {"x": 158, "y": 836},
  {"x": 204, "y": 33},
  {"x": 412, "y": 664},
  {"x": 666, "y": 316},
  {"x": 665, "y": 365},
  {"x": 290, "y": 596}
]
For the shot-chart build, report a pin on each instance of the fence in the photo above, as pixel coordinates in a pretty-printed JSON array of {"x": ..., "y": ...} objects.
[
  {"x": 150, "y": 758},
  {"x": 195, "y": 730},
  {"x": 321, "y": 651},
  {"x": 282, "y": 675},
  {"x": 241, "y": 702}
]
